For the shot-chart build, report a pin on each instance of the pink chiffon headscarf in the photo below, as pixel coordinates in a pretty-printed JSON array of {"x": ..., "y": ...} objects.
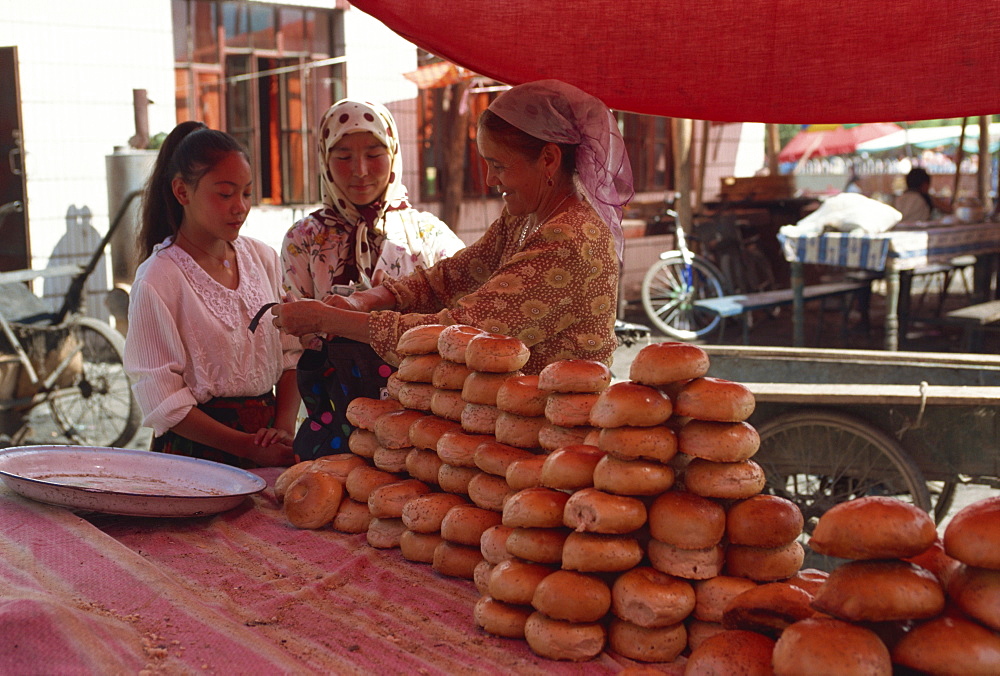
[{"x": 558, "y": 112}]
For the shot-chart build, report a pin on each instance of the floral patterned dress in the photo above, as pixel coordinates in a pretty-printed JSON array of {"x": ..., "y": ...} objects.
[
  {"x": 318, "y": 252},
  {"x": 558, "y": 292}
]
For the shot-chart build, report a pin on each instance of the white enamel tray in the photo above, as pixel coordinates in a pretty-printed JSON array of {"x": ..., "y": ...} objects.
[{"x": 124, "y": 481}]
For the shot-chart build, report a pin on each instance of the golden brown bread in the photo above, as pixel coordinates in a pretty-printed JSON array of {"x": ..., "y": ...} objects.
[
  {"x": 559, "y": 640},
  {"x": 732, "y": 652},
  {"x": 976, "y": 592},
  {"x": 686, "y": 520},
  {"x": 627, "y": 404},
  {"x": 873, "y": 527},
  {"x": 768, "y": 609},
  {"x": 763, "y": 521},
  {"x": 973, "y": 534},
  {"x": 572, "y": 596},
  {"x": 714, "y": 399},
  {"x": 823, "y": 645},
  {"x": 880, "y": 591},
  {"x": 646, "y": 644},
  {"x": 649, "y": 598},
  {"x": 668, "y": 362},
  {"x": 947, "y": 646}
]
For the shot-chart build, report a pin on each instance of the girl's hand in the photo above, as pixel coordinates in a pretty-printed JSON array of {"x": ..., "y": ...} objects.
[
  {"x": 275, "y": 455},
  {"x": 266, "y": 436}
]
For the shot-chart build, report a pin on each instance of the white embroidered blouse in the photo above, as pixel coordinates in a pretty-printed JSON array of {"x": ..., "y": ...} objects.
[{"x": 188, "y": 338}]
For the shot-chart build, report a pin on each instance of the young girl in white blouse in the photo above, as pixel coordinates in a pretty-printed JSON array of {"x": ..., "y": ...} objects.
[{"x": 208, "y": 386}]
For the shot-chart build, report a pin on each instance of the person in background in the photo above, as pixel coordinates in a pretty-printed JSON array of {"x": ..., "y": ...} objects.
[
  {"x": 546, "y": 271},
  {"x": 208, "y": 387},
  {"x": 366, "y": 228},
  {"x": 853, "y": 183},
  {"x": 916, "y": 203}
]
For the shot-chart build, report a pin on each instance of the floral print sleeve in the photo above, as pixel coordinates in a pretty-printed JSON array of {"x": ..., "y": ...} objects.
[
  {"x": 296, "y": 259},
  {"x": 558, "y": 293}
]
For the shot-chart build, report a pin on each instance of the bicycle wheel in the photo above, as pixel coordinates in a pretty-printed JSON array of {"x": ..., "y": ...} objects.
[
  {"x": 669, "y": 290},
  {"x": 98, "y": 408},
  {"x": 818, "y": 458}
]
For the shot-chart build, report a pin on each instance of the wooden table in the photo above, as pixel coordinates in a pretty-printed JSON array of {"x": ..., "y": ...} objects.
[
  {"x": 896, "y": 254},
  {"x": 242, "y": 592}
]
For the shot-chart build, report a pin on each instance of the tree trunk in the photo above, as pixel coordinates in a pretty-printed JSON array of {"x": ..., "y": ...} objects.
[{"x": 456, "y": 129}]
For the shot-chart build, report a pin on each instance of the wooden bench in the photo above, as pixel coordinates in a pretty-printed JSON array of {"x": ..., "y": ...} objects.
[
  {"x": 974, "y": 319},
  {"x": 741, "y": 305}
]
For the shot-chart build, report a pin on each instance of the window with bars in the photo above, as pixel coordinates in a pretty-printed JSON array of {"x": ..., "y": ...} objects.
[{"x": 265, "y": 74}]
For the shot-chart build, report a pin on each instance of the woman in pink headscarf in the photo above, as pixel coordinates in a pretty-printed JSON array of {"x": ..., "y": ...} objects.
[{"x": 547, "y": 270}]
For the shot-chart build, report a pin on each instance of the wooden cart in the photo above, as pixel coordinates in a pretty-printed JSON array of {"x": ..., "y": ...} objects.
[{"x": 841, "y": 424}]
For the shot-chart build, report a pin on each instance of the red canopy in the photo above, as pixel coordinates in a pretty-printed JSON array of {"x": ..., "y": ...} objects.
[
  {"x": 836, "y": 141},
  {"x": 728, "y": 60}
]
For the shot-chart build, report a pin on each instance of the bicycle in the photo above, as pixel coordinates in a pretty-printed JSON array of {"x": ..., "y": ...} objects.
[
  {"x": 64, "y": 362},
  {"x": 673, "y": 284}
]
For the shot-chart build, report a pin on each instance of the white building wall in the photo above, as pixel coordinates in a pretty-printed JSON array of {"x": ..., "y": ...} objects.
[{"x": 78, "y": 64}]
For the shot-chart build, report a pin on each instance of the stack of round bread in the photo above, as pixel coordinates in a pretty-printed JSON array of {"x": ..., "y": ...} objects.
[
  {"x": 763, "y": 538},
  {"x": 419, "y": 359},
  {"x": 311, "y": 505},
  {"x": 422, "y": 516},
  {"x": 555, "y": 494},
  {"x": 457, "y": 449},
  {"x": 462, "y": 528},
  {"x": 877, "y": 585},
  {"x": 521, "y": 411},
  {"x": 446, "y": 399},
  {"x": 573, "y": 387},
  {"x": 492, "y": 358}
]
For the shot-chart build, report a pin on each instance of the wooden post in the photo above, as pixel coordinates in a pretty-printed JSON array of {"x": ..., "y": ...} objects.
[
  {"x": 959, "y": 157},
  {"x": 140, "y": 106},
  {"x": 706, "y": 128},
  {"x": 772, "y": 147},
  {"x": 680, "y": 130},
  {"x": 985, "y": 164}
]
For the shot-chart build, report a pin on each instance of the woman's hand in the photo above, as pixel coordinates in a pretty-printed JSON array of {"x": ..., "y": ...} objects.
[
  {"x": 305, "y": 317},
  {"x": 353, "y": 302},
  {"x": 302, "y": 317}
]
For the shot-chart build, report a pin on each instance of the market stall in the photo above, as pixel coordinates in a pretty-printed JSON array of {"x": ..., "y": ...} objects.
[{"x": 896, "y": 253}]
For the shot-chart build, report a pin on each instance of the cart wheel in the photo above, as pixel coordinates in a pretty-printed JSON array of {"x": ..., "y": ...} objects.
[
  {"x": 818, "y": 458},
  {"x": 670, "y": 289},
  {"x": 98, "y": 409}
]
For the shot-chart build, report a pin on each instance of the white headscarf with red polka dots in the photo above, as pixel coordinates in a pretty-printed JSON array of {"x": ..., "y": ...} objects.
[
  {"x": 558, "y": 112},
  {"x": 349, "y": 116}
]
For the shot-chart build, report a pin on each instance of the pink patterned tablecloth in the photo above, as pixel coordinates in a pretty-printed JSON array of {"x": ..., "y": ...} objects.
[{"x": 242, "y": 592}]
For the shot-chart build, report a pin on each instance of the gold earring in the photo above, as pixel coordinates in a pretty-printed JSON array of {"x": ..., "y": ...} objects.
[{"x": 549, "y": 182}]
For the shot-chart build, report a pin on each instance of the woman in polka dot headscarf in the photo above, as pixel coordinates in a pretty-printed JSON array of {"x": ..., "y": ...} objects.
[
  {"x": 366, "y": 228},
  {"x": 547, "y": 270}
]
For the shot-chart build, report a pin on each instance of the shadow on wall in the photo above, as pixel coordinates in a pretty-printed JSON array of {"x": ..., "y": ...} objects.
[{"x": 76, "y": 246}]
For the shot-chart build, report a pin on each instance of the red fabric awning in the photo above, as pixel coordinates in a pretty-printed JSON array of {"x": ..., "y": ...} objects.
[
  {"x": 836, "y": 141},
  {"x": 729, "y": 60}
]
